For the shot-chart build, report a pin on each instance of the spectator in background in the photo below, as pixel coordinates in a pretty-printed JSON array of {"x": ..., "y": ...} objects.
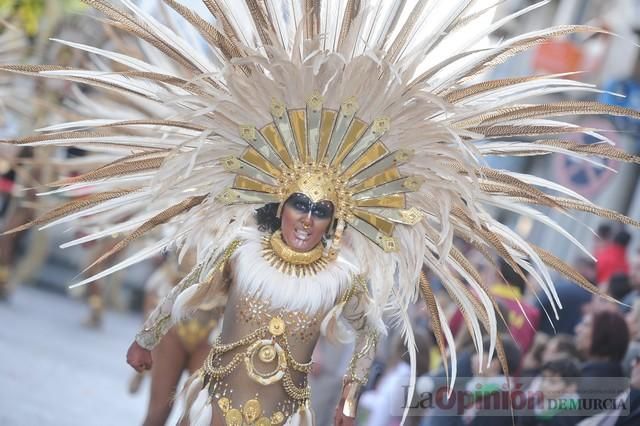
[
  {"x": 532, "y": 362},
  {"x": 384, "y": 405},
  {"x": 630, "y": 398},
  {"x": 619, "y": 286},
  {"x": 510, "y": 294},
  {"x": 602, "y": 337},
  {"x": 558, "y": 382},
  {"x": 633, "y": 322},
  {"x": 440, "y": 416},
  {"x": 573, "y": 298},
  {"x": 560, "y": 346},
  {"x": 634, "y": 281},
  {"x": 612, "y": 258},
  {"x": 522, "y": 317},
  {"x": 604, "y": 234},
  {"x": 488, "y": 390},
  {"x": 633, "y": 418}
]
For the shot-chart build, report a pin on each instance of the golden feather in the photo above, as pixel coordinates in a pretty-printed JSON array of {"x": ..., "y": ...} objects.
[
  {"x": 218, "y": 12},
  {"x": 549, "y": 110},
  {"x": 261, "y": 21},
  {"x": 208, "y": 31},
  {"x": 155, "y": 221},
  {"x": 598, "y": 149},
  {"x": 168, "y": 79},
  {"x": 562, "y": 267},
  {"x": 456, "y": 95},
  {"x": 525, "y": 44},
  {"x": 436, "y": 325},
  {"x": 491, "y": 238},
  {"x": 506, "y": 130},
  {"x": 152, "y": 122},
  {"x": 350, "y": 12},
  {"x": 117, "y": 169},
  {"x": 312, "y": 10},
  {"x": 70, "y": 207},
  {"x": 405, "y": 32},
  {"x": 568, "y": 203},
  {"x": 511, "y": 182}
]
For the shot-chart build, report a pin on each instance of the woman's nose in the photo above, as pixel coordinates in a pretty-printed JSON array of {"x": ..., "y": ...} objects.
[{"x": 307, "y": 221}]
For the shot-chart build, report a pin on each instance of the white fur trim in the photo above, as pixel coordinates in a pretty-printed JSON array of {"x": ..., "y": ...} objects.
[
  {"x": 315, "y": 294},
  {"x": 205, "y": 416},
  {"x": 303, "y": 417},
  {"x": 200, "y": 405},
  {"x": 333, "y": 326},
  {"x": 178, "y": 310}
]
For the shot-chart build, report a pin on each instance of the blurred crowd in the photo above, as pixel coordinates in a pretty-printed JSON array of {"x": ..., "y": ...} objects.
[{"x": 590, "y": 351}]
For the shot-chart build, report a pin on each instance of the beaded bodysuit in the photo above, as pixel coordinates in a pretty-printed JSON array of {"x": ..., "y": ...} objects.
[
  {"x": 258, "y": 367},
  {"x": 256, "y": 372}
]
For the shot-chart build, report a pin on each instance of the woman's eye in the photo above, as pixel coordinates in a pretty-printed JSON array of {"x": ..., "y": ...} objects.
[
  {"x": 321, "y": 212},
  {"x": 299, "y": 205}
]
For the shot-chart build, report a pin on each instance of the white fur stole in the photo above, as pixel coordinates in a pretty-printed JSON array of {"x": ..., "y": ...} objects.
[{"x": 314, "y": 294}]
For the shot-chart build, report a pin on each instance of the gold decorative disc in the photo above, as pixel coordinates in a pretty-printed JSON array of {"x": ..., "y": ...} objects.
[
  {"x": 267, "y": 354},
  {"x": 265, "y": 378},
  {"x": 224, "y": 404},
  {"x": 263, "y": 421},
  {"x": 276, "y": 326},
  {"x": 233, "y": 417},
  {"x": 277, "y": 418},
  {"x": 252, "y": 410}
]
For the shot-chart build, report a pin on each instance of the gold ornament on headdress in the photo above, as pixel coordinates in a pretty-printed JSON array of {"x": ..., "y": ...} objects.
[{"x": 326, "y": 155}]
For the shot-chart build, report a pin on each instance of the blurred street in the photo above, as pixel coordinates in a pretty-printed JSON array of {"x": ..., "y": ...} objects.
[{"x": 57, "y": 372}]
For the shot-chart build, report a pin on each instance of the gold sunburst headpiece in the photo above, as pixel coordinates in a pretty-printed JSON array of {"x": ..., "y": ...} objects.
[{"x": 326, "y": 155}]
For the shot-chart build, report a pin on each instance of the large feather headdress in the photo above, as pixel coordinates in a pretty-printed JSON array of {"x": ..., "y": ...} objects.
[{"x": 380, "y": 105}]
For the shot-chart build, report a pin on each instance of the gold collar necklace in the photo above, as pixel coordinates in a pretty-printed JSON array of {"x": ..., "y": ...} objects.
[{"x": 288, "y": 261}]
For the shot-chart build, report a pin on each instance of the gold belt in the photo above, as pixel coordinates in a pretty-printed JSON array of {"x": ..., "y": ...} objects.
[{"x": 269, "y": 343}]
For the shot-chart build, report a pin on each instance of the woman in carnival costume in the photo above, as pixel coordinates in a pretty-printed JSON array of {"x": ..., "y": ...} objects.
[{"x": 357, "y": 131}]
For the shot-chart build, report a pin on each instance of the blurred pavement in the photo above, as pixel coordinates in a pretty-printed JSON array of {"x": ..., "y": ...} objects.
[{"x": 54, "y": 371}]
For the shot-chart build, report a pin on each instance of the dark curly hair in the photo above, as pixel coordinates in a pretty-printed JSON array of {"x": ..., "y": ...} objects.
[{"x": 267, "y": 217}]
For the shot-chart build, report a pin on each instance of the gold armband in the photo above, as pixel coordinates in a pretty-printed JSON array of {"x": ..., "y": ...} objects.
[{"x": 351, "y": 400}]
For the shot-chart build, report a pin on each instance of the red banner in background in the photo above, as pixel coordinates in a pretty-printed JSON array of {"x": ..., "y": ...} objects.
[{"x": 558, "y": 56}]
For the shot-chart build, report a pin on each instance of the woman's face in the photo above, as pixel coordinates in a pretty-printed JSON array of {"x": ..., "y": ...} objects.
[
  {"x": 304, "y": 222},
  {"x": 583, "y": 334}
]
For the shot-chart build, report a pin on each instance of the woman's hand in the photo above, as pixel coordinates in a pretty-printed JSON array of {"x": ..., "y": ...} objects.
[
  {"x": 340, "y": 418},
  {"x": 139, "y": 358}
]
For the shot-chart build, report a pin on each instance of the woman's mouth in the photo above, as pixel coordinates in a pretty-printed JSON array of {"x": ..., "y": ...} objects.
[{"x": 301, "y": 235}]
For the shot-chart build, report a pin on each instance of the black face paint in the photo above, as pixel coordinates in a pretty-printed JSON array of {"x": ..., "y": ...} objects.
[{"x": 303, "y": 204}]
